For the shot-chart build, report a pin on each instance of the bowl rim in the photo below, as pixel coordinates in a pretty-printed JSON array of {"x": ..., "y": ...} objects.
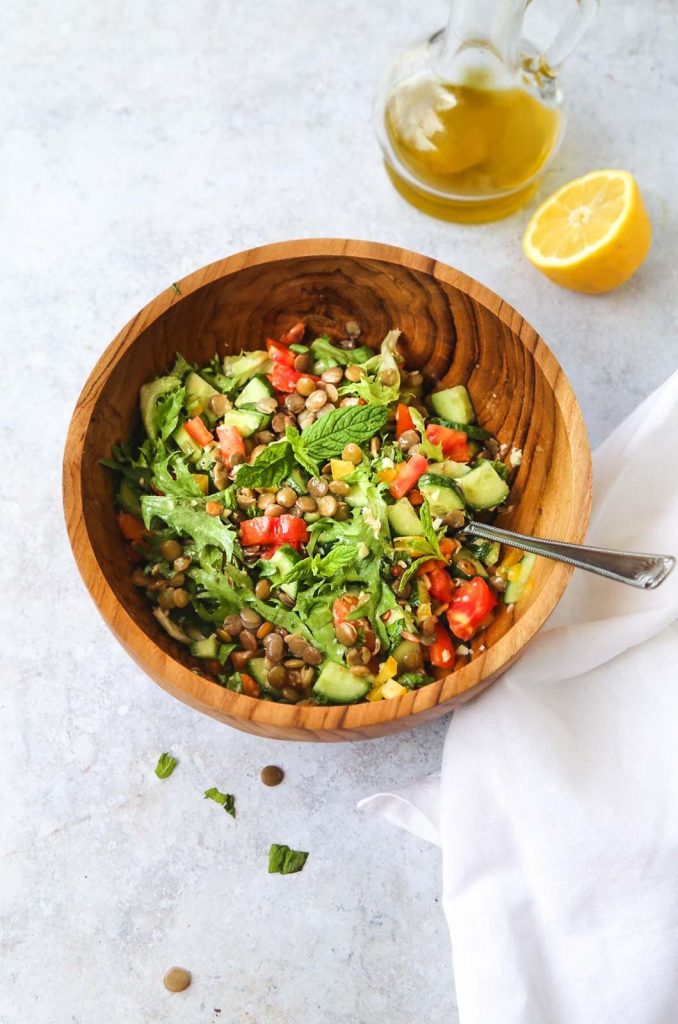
[{"x": 288, "y": 720}]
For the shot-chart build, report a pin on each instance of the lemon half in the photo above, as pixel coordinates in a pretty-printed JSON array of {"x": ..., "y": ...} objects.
[{"x": 592, "y": 234}]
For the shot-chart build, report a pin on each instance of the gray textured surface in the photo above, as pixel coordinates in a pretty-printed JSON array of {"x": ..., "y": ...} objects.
[{"x": 138, "y": 142}]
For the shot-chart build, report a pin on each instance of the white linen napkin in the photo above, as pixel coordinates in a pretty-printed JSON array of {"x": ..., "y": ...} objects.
[{"x": 557, "y": 803}]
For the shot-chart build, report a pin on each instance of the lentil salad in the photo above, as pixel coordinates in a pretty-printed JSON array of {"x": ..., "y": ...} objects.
[{"x": 293, "y": 516}]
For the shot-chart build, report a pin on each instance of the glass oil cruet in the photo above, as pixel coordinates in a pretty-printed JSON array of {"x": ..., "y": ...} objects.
[{"x": 469, "y": 118}]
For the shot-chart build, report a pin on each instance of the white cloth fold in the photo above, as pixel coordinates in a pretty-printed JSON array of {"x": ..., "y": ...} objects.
[{"x": 557, "y": 803}]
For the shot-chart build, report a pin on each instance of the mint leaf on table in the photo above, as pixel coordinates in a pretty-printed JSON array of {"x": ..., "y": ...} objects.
[
  {"x": 227, "y": 800},
  {"x": 270, "y": 467},
  {"x": 300, "y": 452},
  {"x": 352, "y": 424},
  {"x": 165, "y": 766},
  {"x": 284, "y": 861}
]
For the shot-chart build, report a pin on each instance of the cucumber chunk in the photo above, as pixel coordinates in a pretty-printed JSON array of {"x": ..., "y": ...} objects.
[
  {"x": 454, "y": 404},
  {"x": 338, "y": 685},
  {"x": 198, "y": 394},
  {"x": 245, "y": 421},
  {"x": 441, "y": 494},
  {"x": 449, "y": 468},
  {"x": 483, "y": 487},
  {"x": 189, "y": 447},
  {"x": 207, "y": 648},
  {"x": 403, "y": 520},
  {"x": 516, "y": 588},
  {"x": 284, "y": 559},
  {"x": 253, "y": 392}
]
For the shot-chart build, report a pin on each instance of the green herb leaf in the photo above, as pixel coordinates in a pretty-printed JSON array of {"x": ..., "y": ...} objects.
[
  {"x": 165, "y": 766},
  {"x": 171, "y": 476},
  {"x": 181, "y": 367},
  {"x": 227, "y": 800},
  {"x": 188, "y": 516},
  {"x": 331, "y": 564},
  {"x": 331, "y": 355},
  {"x": 270, "y": 467},
  {"x": 284, "y": 861},
  {"x": 430, "y": 451},
  {"x": 429, "y": 532},
  {"x": 353, "y": 424},
  {"x": 412, "y": 568},
  {"x": 300, "y": 451},
  {"x": 167, "y": 412}
]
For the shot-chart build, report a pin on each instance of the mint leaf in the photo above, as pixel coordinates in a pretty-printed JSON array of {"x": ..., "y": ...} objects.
[
  {"x": 429, "y": 532},
  {"x": 284, "y": 861},
  {"x": 165, "y": 766},
  {"x": 412, "y": 568},
  {"x": 340, "y": 557},
  {"x": 300, "y": 451},
  {"x": 353, "y": 424},
  {"x": 270, "y": 467},
  {"x": 227, "y": 800}
]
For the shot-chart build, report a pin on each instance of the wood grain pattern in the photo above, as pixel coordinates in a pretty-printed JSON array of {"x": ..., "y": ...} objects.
[{"x": 455, "y": 331}]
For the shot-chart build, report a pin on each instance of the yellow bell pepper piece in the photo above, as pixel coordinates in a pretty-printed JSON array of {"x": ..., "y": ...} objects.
[
  {"x": 202, "y": 480},
  {"x": 374, "y": 694},
  {"x": 392, "y": 689},
  {"x": 341, "y": 468},
  {"x": 387, "y": 670}
]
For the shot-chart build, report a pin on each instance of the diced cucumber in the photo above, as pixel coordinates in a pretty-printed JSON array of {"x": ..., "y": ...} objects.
[
  {"x": 148, "y": 397},
  {"x": 487, "y": 551},
  {"x": 472, "y": 557},
  {"x": 198, "y": 394},
  {"x": 483, "y": 487},
  {"x": 297, "y": 480},
  {"x": 245, "y": 421},
  {"x": 246, "y": 365},
  {"x": 500, "y": 467},
  {"x": 253, "y": 392},
  {"x": 454, "y": 404},
  {"x": 257, "y": 669},
  {"x": 441, "y": 494},
  {"x": 516, "y": 588},
  {"x": 408, "y": 655},
  {"x": 338, "y": 685},
  {"x": 449, "y": 468},
  {"x": 403, "y": 520},
  {"x": 189, "y": 447},
  {"x": 357, "y": 496},
  {"x": 207, "y": 648},
  {"x": 129, "y": 497},
  {"x": 284, "y": 559}
]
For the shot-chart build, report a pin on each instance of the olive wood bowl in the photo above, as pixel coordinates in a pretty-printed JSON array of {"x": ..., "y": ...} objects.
[{"x": 454, "y": 330}]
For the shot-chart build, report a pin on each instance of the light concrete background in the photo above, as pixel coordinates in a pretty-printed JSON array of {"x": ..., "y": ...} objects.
[{"x": 139, "y": 141}]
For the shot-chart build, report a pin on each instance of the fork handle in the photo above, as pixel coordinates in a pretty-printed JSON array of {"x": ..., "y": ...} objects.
[{"x": 635, "y": 569}]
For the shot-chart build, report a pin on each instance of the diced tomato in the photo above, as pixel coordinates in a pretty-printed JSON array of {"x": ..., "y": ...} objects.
[
  {"x": 441, "y": 651},
  {"x": 449, "y": 546},
  {"x": 415, "y": 497},
  {"x": 404, "y": 420},
  {"x": 440, "y": 584},
  {"x": 284, "y": 378},
  {"x": 280, "y": 353},
  {"x": 469, "y": 607},
  {"x": 294, "y": 335},
  {"x": 407, "y": 474},
  {"x": 454, "y": 443},
  {"x": 230, "y": 442},
  {"x": 196, "y": 429},
  {"x": 250, "y": 687},
  {"x": 276, "y": 530},
  {"x": 131, "y": 527}
]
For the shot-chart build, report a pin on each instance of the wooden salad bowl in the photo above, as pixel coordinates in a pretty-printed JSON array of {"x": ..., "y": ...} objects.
[{"x": 454, "y": 330}]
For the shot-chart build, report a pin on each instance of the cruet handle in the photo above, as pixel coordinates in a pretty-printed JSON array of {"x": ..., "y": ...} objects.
[{"x": 568, "y": 35}]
